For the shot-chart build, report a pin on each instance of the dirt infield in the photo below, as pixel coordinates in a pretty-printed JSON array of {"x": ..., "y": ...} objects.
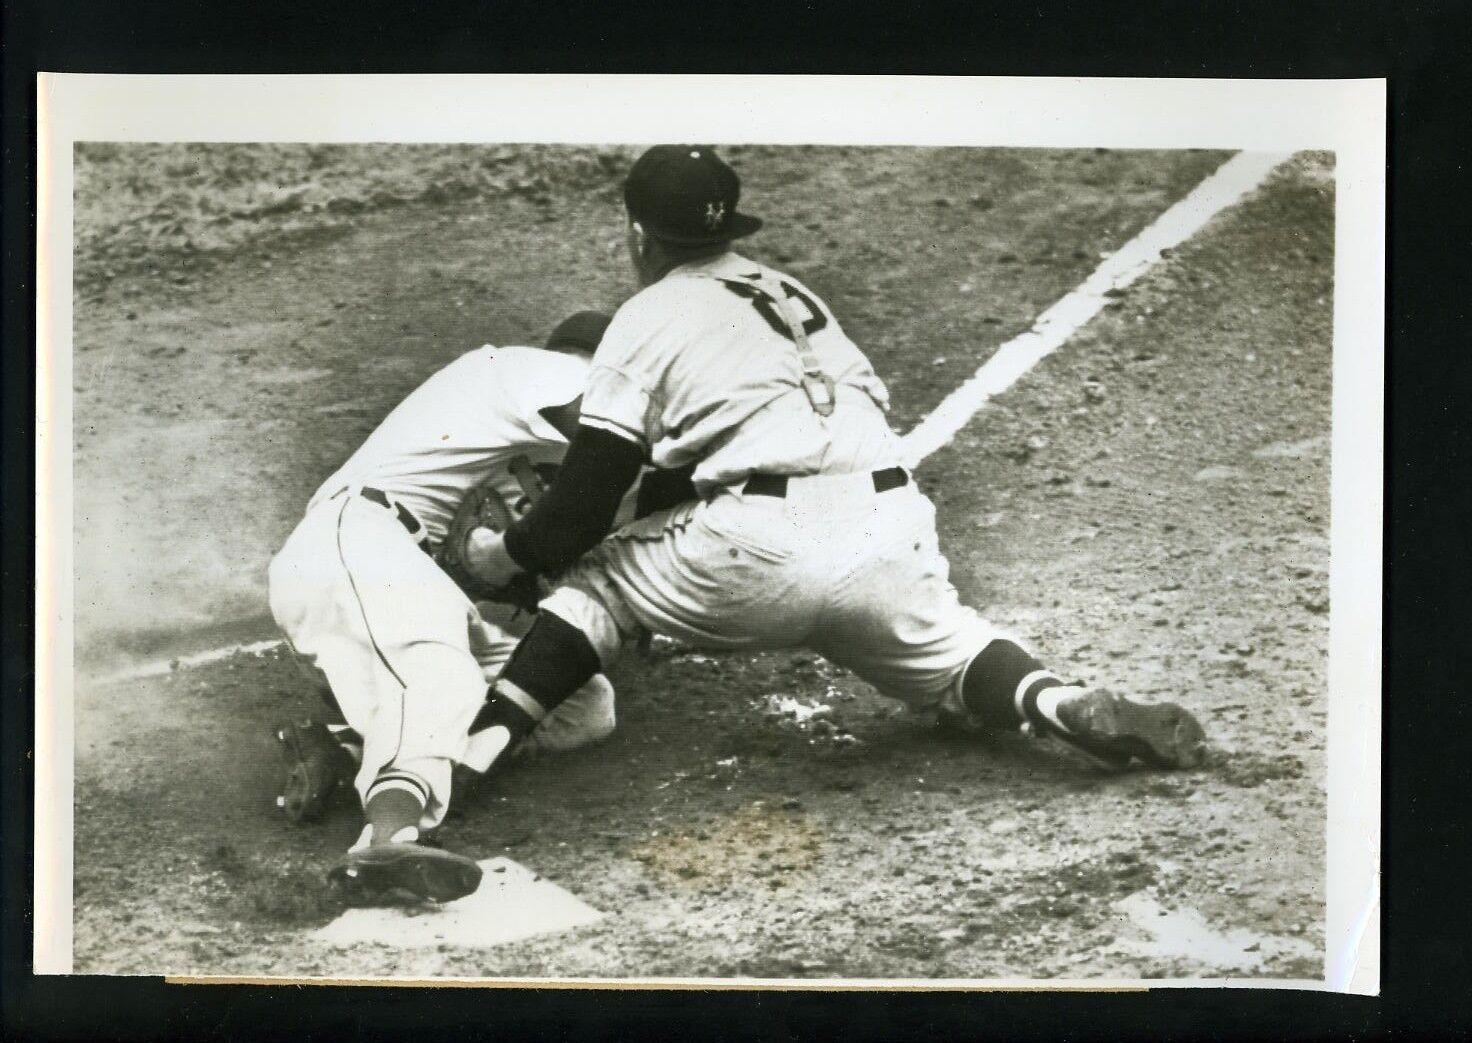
[{"x": 1150, "y": 506}]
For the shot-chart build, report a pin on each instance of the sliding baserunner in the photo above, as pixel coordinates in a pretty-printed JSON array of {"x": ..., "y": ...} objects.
[{"x": 360, "y": 591}]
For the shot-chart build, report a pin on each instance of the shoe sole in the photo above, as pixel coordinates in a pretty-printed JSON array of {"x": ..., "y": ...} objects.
[
  {"x": 381, "y": 873},
  {"x": 1161, "y": 735},
  {"x": 314, "y": 773}
]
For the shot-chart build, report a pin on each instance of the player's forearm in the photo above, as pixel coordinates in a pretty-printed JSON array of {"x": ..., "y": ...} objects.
[
  {"x": 578, "y": 509},
  {"x": 660, "y": 490}
]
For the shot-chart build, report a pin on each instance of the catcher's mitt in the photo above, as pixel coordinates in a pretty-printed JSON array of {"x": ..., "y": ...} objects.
[{"x": 485, "y": 507}]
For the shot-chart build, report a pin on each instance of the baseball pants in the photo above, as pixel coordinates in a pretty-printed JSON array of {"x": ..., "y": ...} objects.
[
  {"x": 407, "y": 654},
  {"x": 832, "y": 564}
]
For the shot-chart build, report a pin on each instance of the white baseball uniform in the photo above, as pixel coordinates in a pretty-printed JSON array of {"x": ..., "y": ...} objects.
[
  {"x": 407, "y": 654},
  {"x": 842, "y": 557}
]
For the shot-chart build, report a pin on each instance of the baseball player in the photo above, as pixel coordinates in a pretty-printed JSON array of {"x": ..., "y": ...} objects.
[
  {"x": 407, "y": 654},
  {"x": 809, "y": 531}
]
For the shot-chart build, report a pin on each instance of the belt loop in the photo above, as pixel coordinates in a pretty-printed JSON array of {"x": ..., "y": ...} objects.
[
  {"x": 408, "y": 520},
  {"x": 766, "y": 485},
  {"x": 777, "y": 485},
  {"x": 412, "y": 525},
  {"x": 890, "y": 478}
]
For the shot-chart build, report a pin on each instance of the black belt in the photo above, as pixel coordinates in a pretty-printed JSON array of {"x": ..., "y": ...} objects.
[
  {"x": 406, "y": 519},
  {"x": 776, "y": 484}
]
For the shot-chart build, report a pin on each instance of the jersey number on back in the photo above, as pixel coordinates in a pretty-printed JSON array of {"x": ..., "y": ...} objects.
[{"x": 763, "y": 304}]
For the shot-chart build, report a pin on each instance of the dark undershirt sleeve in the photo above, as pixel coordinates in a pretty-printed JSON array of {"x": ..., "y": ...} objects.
[
  {"x": 660, "y": 490},
  {"x": 578, "y": 509}
]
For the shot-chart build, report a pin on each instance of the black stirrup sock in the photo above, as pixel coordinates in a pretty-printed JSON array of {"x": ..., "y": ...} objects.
[{"x": 990, "y": 686}]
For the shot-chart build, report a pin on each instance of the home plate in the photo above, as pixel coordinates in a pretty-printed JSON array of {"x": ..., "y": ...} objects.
[{"x": 511, "y": 903}]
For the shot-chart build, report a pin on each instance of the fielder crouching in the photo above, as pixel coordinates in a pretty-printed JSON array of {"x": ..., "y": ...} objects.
[{"x": 810, "y": 530}]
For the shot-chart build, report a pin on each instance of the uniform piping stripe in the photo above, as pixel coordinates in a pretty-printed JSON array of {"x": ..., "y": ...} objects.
[
  {"x": 521, "y": 699},
  {"x": 368, "y": 627},
  {"x": 1031, "y": 685},
  {"x": 391, "y": 780}
]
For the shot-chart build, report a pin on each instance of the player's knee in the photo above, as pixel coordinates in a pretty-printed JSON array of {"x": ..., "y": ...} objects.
[
  {"x": 589, "y": 616},
  {"x": 600, "y": 709},
  {"x": 442, "y": 669}
]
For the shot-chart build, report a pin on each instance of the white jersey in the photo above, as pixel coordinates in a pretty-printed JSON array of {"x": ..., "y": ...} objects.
[
  {"x": 694, "y": 368},
  {"x": 477, "y": 419}
]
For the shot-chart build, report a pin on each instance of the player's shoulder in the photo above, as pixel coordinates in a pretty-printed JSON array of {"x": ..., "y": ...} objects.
[
  {"x": 662, "y": 302},
  {"x": 681, "y": 298},
  {"x": 638, "y": 324},
  {"x": 509, "y": 361},
  {"x": 513, "y": 380},
  {"x": 516, "y": 383}
]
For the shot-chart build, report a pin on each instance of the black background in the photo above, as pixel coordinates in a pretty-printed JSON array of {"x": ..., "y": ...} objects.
[{"x": 1422, "y": 48}]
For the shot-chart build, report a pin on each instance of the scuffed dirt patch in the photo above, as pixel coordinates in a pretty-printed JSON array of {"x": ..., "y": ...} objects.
[
  {"x": 1248, "y": 770},
  {"x": 758, "y": 845}
]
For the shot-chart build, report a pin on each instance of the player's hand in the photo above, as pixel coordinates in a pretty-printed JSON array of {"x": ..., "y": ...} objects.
[
  {"x": 473, "y": 553},
  {"x": 486, "y": 557}
]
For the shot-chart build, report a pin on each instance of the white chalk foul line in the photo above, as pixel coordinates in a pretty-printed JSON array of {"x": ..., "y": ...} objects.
[
  {"x": 1229, "y": 183},
  {"x": 161, "y": 667}
]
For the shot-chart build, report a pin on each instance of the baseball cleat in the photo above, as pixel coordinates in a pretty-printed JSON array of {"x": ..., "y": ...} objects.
[
  {"x": 316, "y": 765},
  {"x": 393, "y": 873},
  {"x": 1112, "y": 730}
]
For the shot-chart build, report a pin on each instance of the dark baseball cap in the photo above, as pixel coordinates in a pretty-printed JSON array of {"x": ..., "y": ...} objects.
[
  {"x": 579, "y": 332},
  {"x": 686, "y": 194}
]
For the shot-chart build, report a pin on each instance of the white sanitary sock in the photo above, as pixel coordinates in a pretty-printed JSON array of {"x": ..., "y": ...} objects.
[
  {"x": 406, "y": 835},
  {"x": 1049, "y": 698}
]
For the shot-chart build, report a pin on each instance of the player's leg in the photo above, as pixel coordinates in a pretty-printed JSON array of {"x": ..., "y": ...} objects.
[
  {"x": 320, "y": 749},
  {"x": 718, "y": 574},
  {"x": 400, "y": 662},
  {"x": 584, "y": 718},
  {"x": 319, "y": 704},
  {"x": 419, "y": 626},
  {"x": 687, "y": 573},
  {"x": 319, "y": 604},
  {"x": 901, "y": 625}
]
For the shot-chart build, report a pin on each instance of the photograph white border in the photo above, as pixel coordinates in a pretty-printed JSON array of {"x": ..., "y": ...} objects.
[{"x": 1343, "y": 116}]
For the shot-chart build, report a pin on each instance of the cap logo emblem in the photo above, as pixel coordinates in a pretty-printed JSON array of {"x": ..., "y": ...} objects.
[{"x": 715, "y": 213}]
